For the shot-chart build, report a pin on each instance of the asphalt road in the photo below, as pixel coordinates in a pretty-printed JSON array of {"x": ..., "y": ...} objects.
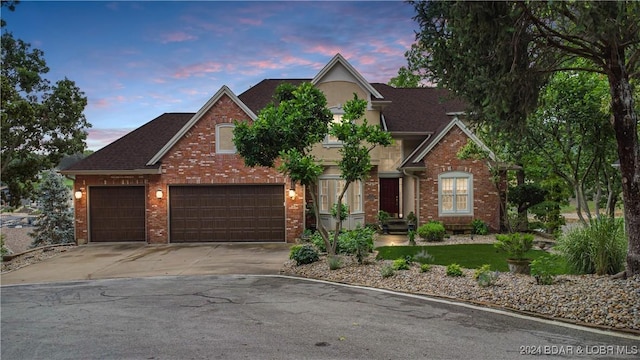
[{"x": 270, "y": 317}]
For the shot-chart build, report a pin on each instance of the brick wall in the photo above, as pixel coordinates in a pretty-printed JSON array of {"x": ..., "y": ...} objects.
[
  {"x": 441, "y": 159},
  {"x": 193, "y": 161}
]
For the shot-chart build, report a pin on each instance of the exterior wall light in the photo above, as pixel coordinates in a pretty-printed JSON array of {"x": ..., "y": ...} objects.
[
  {"x": 159, "y": 194},
  {"x": 292, "y": 190},
  {"x": 78, "y": 194}
]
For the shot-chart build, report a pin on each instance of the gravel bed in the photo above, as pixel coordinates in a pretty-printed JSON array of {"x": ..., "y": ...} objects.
[
  {"x": 33, "y": 256},
  {"x": 583, "y": 299}
]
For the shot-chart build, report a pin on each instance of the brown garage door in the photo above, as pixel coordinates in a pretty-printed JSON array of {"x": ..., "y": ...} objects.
[
  {"x": 117, "y": 213},
  {"x": 227, "y": 213}
]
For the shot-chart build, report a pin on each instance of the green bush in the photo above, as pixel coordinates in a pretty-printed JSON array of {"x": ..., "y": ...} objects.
[
  {"x": 303, "y": 254},
  {"x": 3, "y": 250},
  {"x": 454, "y": 270},
  {"x": 600, "y": 248},
  {"x": 515, "y": 244},
  {"x": 425, "y": 267},
  {"x": 432, "y": 231},
  {"x": 317, "y": 241},
  {"x": 401, "y": 264},
  {"x": 357, "y": 242},
  {"x": 335, "y": 262},
  {"x": 479, "y": 227},
  {"x": 484, "y": 276},
  {"x": 387, "y": 271},
  {"x": 412, "y": 237},
  {"x": 545, "y": 268}
]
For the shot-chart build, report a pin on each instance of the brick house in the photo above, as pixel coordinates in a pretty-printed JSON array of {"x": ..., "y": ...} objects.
[{"x": 178, "y": 178}]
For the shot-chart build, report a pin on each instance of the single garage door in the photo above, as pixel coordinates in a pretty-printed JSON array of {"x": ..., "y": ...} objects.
[
  {"x": 227, "y": 213},
  {"x": 116, "y": 213}
]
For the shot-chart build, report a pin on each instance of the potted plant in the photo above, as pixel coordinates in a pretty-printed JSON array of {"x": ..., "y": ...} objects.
[
  {"x": 383, "y": 220},
  {"x": 411, "y": 221},
  {"x": 516, "y": 245}
]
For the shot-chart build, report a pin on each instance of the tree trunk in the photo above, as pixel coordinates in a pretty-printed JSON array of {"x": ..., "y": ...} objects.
[
  {"x": 523, "y": 220},
  {"x": 625, "y": 125}
]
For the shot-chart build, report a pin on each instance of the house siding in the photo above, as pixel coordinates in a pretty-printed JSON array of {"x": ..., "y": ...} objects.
[{"x": 442, "y": 159}]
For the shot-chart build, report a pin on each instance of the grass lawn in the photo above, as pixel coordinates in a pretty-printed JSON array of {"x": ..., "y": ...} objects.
[{"x": 469, "y": 256}]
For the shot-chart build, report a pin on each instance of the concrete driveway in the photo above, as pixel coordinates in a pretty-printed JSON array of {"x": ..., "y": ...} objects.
[{"x": 107, "y": 261}]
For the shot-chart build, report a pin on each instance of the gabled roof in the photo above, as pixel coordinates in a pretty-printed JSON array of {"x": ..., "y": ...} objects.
[
  {"x": 130, "y": 153},
  {"x": 418, "y": 109},
  {"x": 415, "y": 160},
  {"x": 224, "y": 90},
  {"x": 338, "y": 59}
]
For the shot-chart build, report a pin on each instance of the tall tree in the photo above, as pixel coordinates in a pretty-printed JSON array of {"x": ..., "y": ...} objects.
[
  {"x": 498, "y": 55},
  {"x": 41, "y": 122}
]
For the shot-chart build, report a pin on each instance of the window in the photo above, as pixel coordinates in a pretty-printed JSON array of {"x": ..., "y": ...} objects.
[
  {"x": 224, "y": 139},
  {"x": 323, "y": 189},
  {"x": 455, "y": 193},
  {"x": 330, "y": 139},
  {"x": 329, "y": 191}
]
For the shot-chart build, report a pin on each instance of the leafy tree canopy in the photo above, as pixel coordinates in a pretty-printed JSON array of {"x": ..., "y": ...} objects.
[
  {"x": 41, "y": 122},
  {"x": 498, "y": 56}
]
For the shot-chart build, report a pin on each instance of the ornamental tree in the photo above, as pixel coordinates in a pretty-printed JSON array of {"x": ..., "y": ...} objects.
[
  {"x": 285, "y": 131},
  {"x": 55, "y": 224}
]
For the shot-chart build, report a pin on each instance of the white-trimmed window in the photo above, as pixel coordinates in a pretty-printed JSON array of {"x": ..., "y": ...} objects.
[
  {"x": 329, "y": 191},
  {"x": 337, "y": 119},
  {"x": 455, "y": 193},
  {"x": 224, "y": 139}
]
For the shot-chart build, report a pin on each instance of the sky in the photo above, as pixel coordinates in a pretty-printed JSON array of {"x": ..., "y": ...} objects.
[{"x": 135, "y": 61}]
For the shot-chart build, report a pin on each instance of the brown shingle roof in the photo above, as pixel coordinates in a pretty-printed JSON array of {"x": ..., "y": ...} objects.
[
  {"x": 417, "y": 109},
  {"x": 132, "y": 151},
  {"x": 259, "y": 95}
]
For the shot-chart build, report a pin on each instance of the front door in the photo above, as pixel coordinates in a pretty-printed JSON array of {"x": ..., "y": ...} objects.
[{"x": 390, "y": 195}]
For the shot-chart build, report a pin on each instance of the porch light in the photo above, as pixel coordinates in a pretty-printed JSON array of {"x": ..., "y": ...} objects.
[
  {"x": 78, "y": 194},
  {"x": 292, "y": 190},
  {"x": 159, "y": 194}
]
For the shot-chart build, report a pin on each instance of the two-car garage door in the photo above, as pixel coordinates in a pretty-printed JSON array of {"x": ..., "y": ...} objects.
[
  {"x": 196, "y": 213},
  {"x": 226, "y": 213}
]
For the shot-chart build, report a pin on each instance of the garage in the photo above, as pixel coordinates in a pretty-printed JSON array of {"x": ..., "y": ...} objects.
[
  {"x": 227, "y": 213},
  {"x": 117, "y": 213}
]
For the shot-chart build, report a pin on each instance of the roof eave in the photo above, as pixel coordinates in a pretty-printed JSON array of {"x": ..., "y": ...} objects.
[{"x": 151, "y": 171}]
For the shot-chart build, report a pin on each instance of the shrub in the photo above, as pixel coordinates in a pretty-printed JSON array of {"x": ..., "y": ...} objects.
[
  {"x": 303, "y": 254},
  {"x": 546, "y": 267},
  {"x": 335, "y": 262},
  {"x": 432, "y": 231},
  {"x": 423, "y": 256},
  {"x": 412, "y": 237},
  {"x": 425, "y": 267},
  {"x": 599, "y": 248},
  {"x": 387, "y": 271},
  {"x": 357, "y": 242},
  {"x": 401, "y": 264},
  {"x": 485, "y": 276},
  {"x": 515, "y": 244},
  {"x": 318, "y": 242},
  {"x": 3, "y": 250},
  {"x": 55, "y": 224},
  {"x": 454, "y": 270},
  {"x": 479, "y": 227}
]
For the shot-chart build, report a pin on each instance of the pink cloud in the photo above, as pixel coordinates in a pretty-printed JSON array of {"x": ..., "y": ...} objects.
[
  {"x": 179, "y": 36},
  {"x": 98, "y": 138},
  {"x": 250, "y": 21},
  {"x": 198, "y": 69}
]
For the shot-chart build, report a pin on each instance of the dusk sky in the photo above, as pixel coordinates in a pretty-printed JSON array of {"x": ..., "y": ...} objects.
[{"x": 137, "y": 60}]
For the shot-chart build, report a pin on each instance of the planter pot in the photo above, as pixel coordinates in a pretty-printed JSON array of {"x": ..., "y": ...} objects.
[{"x": 521, "y": 266}]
